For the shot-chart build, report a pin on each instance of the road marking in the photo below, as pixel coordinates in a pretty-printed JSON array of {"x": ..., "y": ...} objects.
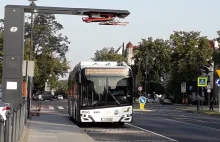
[
  {"x": 51, "y": 107},
  {"x": 60, "y": 107},
  {"x": 192, "y": 119},
  {"x": 152, "y": 132},
  {"x": 210, "y": 128}
]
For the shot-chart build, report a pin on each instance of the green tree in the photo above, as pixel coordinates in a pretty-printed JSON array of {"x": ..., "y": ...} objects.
[
  {"x": 155, "y": 54},
  {"x": 49, "y": 49},
  {"x": 107, "y": 54},
  {"x": 217, "y": 52},
  {"x": 1, "y": 46},
  {"x": 190, "y": 52}
]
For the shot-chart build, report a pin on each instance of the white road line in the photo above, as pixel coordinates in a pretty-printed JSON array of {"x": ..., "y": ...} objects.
[
  {"x": 151, "y": 132},
  {"x": 51, "y": 107},
  {"x": 60, "y": 107},
  {"x": 210, "y": 128}
]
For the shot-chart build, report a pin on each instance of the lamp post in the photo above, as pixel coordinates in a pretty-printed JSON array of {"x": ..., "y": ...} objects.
[
  {"x": 28, "y": 77},
  {"x": 145, "y": 81}
]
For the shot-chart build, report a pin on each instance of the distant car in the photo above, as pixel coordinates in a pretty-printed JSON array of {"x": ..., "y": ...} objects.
[
  {"x": 60, "y": 97},
  {"x": 36, "y": 96},
  {"x": 4, "y": 109},
  {"x": 166, "y": 101},
  {"x": 150, "y": 100},
  {"x": 46, "y": 96}
]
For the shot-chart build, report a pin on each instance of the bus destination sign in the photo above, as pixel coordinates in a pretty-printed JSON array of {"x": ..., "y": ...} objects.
[{"x": 106, "y": 71}]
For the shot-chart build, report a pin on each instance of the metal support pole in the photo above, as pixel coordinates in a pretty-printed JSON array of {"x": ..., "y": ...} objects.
[
  {"x": 202, "y": 96},
  {"x": 14, "y": 126},
  {"x": 17, "y": 125},
  {"x": 25, "y": 112},
  {"x": 145, "y": 81},
  {"x": 209, "y": 99},
  {"x": 20, "y": 127},
  {"x": 8, "y": 128},
  {"x": 1, "y": 129},
  {"x": 219, "y": 100}
]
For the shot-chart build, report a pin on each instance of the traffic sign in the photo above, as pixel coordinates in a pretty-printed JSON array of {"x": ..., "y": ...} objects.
[
  {"x": 208, "y": 86},
  {"x": 218, "y": 72},
  {"x": 202, "y": 81},
  {"x": 217, "y": 82},
  {"x": 140, "y": 88},
  {"x": 142, "y": 100},
  {"x": 183, "y": 87}
]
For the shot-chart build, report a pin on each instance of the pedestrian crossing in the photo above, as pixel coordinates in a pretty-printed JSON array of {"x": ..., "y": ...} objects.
[{"x": 51, "y": 107}]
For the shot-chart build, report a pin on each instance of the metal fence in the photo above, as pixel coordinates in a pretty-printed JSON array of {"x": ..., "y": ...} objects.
[{"x": 11, "y": 129}]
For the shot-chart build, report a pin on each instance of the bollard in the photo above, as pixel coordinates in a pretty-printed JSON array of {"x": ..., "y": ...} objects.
[
  {"x": 8, "y": 128},
  {"x": 17, "y": 125},
  {"x": 1, "y": 129},
  {"x": 25, "y": 113},
  {"x": 21, "y": 122},
  {"x": 20, "y": 128},
  {"x": 14, "y": 126}
]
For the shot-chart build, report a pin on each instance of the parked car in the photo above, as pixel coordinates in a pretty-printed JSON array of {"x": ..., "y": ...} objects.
[
  {"x": 46, "y": 96},
  {"x": 4, "y": 109},
  {"x": 166, "y": 101},
  {"x": 60, "y": 97},
  {"x": 150, "y": 100},
  {"x": 35, "y": 96}
]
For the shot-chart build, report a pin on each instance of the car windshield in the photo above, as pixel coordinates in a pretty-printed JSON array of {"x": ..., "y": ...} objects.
[
  {"x": 103, "y": 91},
  {"x": 60, "y": 96}
]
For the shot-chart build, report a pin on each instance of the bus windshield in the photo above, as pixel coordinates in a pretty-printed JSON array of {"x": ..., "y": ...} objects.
[{"x": 105, "y": 91}]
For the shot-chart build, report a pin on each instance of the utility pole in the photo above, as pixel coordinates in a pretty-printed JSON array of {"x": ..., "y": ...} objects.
[
  {"x": 145, "y": 81},
  {"x": 30, "y": 53}
]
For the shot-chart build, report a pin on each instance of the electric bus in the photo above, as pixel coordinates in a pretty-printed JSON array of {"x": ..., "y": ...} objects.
[{"x": 101, "y": 92}]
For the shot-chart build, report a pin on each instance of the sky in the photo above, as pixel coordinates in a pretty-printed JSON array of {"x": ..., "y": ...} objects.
[{"x": 148, "y": 18}]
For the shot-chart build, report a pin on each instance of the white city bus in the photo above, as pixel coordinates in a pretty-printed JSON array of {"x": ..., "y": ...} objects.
[{"x": 101, "y": 92}]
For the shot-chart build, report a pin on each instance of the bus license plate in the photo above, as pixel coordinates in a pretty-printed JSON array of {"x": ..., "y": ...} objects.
[{"x": 106, "y": 119}]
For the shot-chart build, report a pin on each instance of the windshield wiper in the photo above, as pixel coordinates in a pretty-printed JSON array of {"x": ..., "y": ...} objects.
[{"x": 115, "y": 98}]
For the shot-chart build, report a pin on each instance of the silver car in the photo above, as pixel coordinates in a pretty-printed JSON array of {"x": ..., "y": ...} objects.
[{"x": 5, "y": 108}]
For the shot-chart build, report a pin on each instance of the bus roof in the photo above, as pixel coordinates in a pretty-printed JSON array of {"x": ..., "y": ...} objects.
[
  {"x": 100, "y": 64},
  {"x": 97, "y": 64}
]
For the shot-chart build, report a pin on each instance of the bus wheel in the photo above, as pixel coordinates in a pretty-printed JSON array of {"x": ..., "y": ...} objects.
[{"x": 121, "y": 123}]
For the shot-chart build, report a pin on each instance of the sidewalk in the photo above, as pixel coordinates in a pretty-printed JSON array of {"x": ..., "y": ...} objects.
[{"x": 54, "y": 128}]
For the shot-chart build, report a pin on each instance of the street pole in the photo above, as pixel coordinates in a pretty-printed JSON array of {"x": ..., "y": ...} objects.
[
  {"x": 219, "y": 100},
  {"x": 30, "y": 51},
  {"x": 145, "y": 82}
]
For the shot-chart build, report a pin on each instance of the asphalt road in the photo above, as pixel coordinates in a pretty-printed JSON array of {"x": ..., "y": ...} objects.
[
  {"x": 159, "y": 123},
  {"x": 179, "y": 125}
]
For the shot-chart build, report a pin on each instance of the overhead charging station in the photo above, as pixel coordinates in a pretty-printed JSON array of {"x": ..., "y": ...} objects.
[{"x": 13, "y": 54}]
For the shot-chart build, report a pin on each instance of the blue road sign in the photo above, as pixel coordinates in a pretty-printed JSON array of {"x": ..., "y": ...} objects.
[
  {"x": 142, "y": 100},
  {"x": 217, "y": 82},
  {"x": 190, "y": 88}
]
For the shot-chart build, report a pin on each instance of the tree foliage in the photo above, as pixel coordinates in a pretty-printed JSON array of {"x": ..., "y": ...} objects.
[
  {"x": 107, "y": 54},
  {"x": 1, "y": 46},
  {"x": 190, "y": 52},
  {"x": 152, "y": 57}
]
